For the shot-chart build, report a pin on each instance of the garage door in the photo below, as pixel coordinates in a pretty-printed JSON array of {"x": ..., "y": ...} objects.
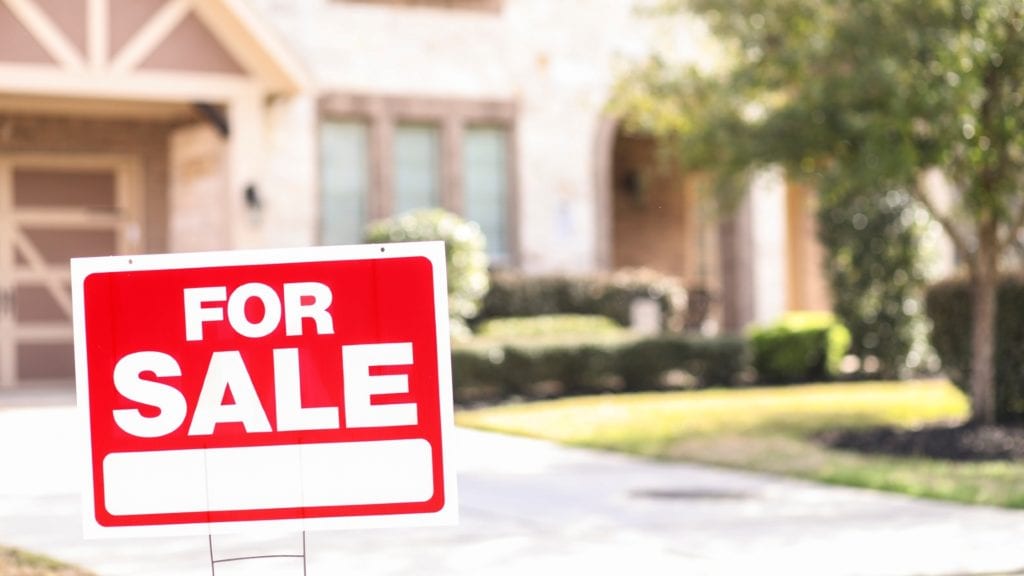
[{"x": 53, "y": 209}]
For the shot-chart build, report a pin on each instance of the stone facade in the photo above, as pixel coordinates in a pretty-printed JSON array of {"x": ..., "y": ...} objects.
[{"x": 554, "y": 61}]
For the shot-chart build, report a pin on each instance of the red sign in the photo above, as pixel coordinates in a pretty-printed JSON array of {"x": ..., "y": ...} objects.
[{"x": 223, "y": 391}]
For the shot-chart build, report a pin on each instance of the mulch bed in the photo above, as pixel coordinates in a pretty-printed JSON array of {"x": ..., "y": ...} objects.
[{"x": 965, "y": 442}]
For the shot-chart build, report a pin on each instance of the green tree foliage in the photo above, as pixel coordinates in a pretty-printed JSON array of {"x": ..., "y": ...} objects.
[
  {"x": 865, "y": 96},
  {"x": 875, "y": 269}
]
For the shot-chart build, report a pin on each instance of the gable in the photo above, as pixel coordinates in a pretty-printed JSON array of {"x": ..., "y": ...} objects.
[
  {"x": 117, "y": 39},
  {"x": 191, "y": 46}
]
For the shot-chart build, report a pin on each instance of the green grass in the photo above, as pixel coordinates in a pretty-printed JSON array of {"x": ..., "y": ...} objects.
[
  {"x": 770, "y": 430},
  {"x": 14, "y": 562}
]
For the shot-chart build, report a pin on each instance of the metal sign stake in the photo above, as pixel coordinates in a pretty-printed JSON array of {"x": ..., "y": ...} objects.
[{"x": 214, "y": 562}]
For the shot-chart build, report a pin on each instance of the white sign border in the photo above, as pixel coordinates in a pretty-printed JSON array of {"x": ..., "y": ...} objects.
[{"x": 434, "y": 251}]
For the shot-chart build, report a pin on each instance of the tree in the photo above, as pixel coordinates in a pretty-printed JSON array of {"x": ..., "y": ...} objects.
[{"x": 864, "y": 97}]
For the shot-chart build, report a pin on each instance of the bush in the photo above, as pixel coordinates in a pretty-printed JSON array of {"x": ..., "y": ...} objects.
[
  {"x": 876, "y": 269},
  {"x": 660, "y": 362},
  {"x": 801, "y": 347},
  {"x": 488, "y": 371},
  {"x": 948, "y": 306},
  {"x": 465, "y": 253},
  {"x": 550, "y": 325},
  {"x": 611, "y": 295}
]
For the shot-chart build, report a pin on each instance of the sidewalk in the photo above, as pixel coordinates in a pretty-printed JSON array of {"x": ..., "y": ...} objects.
[{"x": 533, "y": 507}]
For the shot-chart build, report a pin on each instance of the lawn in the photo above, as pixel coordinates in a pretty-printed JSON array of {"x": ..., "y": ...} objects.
[
  {"x": 772, "y": 430},
  {"x": 14, "y": 562}
]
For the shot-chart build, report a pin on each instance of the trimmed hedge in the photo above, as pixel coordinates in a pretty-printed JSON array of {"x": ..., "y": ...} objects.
[
  {"x": 489, "y": 371},
  {"x": 948, "y": 304},
  {"x": 800, "y": 347},
  {"x": 548, "y": 325},
  {"x": 611, "y": 295}
]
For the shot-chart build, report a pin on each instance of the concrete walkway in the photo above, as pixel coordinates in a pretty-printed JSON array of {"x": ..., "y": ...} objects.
[{"x": 531, "y": 507}]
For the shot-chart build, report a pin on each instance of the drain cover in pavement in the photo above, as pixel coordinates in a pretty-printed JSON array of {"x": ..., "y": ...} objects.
[{"x": 688, "y": 494}]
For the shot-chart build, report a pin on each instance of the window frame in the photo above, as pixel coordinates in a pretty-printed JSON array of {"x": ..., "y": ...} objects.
[{"x": 382, "y": 116}]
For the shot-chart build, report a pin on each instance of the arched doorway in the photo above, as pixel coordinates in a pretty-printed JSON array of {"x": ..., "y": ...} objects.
[{"x": 659, "y": 219}]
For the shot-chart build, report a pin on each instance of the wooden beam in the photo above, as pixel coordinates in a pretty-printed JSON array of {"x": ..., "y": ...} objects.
[
  {"x": 8, "y": 358},
  {"x": 98, "y": 33},
  {"x": 35, "y": 260},
  {"x": 146, "y": 85}
]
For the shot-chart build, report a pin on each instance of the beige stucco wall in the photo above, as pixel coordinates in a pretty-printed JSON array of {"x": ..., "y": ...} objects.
[{"x": 555, "y": 60}]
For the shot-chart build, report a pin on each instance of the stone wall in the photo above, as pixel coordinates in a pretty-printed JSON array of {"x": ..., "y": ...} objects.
[{"x": 554, "y": 60}]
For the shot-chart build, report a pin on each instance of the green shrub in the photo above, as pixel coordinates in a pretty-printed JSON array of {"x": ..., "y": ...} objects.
[
  {"x": 465, "y": 253},
  {"x": 875, "y": 263},
  {"x": 611, "y": 295},
  {"x": 649, "y": 363},
  {"x": 550, "y": 325},
  {"x": 487, "y": 371},
  {"x": 800, "y": 347},
  {"x": 948, "y": 306},
  {"x": 478, "y": 373}
]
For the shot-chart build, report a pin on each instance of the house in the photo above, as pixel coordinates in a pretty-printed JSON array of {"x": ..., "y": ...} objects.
[{"x": 131, "y": 126}]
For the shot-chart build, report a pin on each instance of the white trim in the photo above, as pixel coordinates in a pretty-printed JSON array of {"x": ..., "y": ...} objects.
[
  {"x": 48, "y": 34},
  {"x": 99, "y": 33},
  {"x": 8, "y": 369},
  {"x": 254, "y": 45},
  {"x": 47, "y": 382},
  {"x": 153, "y": 32},
  {"x": 67, "y": 218},
  {"x": 140, "y": 85},
  {"x": 43, "y": 332},
  {"x": 67, "y": 162},
  {"x": 101, "y": 108},
  {"x": 36, "y": 260},
  {"x": 63, "y": 274}
]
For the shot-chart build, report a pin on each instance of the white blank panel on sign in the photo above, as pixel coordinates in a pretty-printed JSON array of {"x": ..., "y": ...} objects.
[{"x": 263, "y": 477}]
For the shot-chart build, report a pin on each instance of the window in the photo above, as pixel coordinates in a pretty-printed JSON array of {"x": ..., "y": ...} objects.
[
  {"x": 417, "y": 167},
  {"x": 385, "y": 156},
  {"x": 485, "y": 183},
  {"x": 344, "y": 180}
]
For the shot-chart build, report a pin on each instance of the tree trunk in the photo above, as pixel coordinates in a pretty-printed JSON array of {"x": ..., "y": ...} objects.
[{"x": 985, "y": 280}]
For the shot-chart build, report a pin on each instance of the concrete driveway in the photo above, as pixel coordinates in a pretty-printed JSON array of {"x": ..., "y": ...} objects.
[{"x": 531, "y": 507}]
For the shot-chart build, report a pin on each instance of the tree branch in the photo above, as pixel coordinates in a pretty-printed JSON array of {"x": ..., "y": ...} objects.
[
  {"x": 1011, "y": 235},
  {"x": 955, "y": 234}
]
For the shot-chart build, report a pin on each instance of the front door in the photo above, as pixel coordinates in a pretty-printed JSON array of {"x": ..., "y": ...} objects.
[{"x": 54, "y": 208}]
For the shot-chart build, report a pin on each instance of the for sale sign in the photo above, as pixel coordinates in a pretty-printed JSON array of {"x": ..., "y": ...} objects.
[{"x": 309, "y": 388}]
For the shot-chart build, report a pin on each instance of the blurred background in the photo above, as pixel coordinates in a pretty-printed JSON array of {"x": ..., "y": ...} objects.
[{"x": 810, "y": 207}]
